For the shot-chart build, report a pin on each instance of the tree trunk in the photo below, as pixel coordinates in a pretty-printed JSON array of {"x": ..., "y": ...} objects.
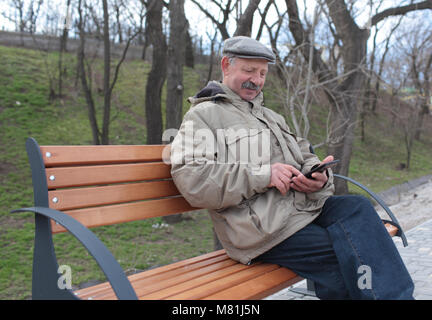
[
  {"x": 63, "y": 43},
  {"x": 212, "y": 54},
  {"x": 424, "y": 110},
  {"x": 84, "y": 83},
  {"x": 349, "y": 91},
  {"x": 176, "y": 60},
  {"x": 244, "y": 25},
  {"x": 156, "y": 77},
  {"x": 146, "y": 40},
  {"x": 107, "y": 71},
  {"x": 189, "y": 54}
]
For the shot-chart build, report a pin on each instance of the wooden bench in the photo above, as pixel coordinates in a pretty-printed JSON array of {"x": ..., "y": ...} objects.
[{"x": 80, "y": 187}]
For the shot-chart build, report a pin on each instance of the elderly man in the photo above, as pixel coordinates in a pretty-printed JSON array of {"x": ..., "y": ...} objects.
[{"x": 241, "y": 161}]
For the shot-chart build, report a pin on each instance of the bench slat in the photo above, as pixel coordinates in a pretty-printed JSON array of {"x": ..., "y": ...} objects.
[
  {"x": 145, "y": 284},
  {"x": 203, "y": 259},
  {"x": 105, "y": 174},
  {"x": 191, "y": 281},
  {"x": 391, "y": 229},
  {"x": 67, "y": 199},
  {"x": 199, "y": 292},
  {"x": 154, "y": 287},
  {"x": 108, "y": 215},
  {"x": 90, "y": 154},
  {"x": 260, "y": 287}
]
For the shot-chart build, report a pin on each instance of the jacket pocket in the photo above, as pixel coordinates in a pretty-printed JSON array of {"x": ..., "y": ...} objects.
[
  {"x": 242, "y": 227},
  {"x": 248, "y": 146},
  {"x": 249, "y": 225}
]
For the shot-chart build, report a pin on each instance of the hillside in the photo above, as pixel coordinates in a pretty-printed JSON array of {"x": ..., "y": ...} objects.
[{"x": 25, "y": 110}]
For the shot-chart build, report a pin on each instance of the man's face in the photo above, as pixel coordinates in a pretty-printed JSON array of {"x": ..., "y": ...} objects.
[{"x": 245, "y": 77}]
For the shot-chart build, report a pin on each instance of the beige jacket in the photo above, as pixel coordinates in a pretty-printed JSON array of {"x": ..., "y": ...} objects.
[{"x": 249, "y": 218}]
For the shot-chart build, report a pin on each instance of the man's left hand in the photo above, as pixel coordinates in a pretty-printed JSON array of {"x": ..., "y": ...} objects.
[{"x": 302, "y": 184}]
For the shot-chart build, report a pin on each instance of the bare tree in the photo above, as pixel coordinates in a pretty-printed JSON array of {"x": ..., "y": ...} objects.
[
  {"x": 99, "y": 136},
  {"x": 189, "y": 54},
  {"x": 405, "y": 115},
  {"x": 107, "y": 74},
  {"x": 343, "y": 94},
  {"x": 212, "y": 54},
  {"x": 244, "y": 23},
  {"x": 419, "y": 53},
  {"x": 244, "y": 19},
  {"x": 373, "y": 76},
  {"x": 224, "y": 10},
  {"x": 63, "y": 46},
  {"x": 83, "y": 76},
  {"x": 24, "y": 15},
  {"x": 157, "y": 75},
  {"x": 263, "y": 18},
  {"x": 176, "y": 60}
]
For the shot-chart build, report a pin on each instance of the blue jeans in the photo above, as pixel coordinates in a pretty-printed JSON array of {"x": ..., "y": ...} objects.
[{"x": 347, "y": 252}]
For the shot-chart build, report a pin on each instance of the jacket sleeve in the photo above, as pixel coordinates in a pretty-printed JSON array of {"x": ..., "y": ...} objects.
[
  {"x": 310, "y": 160},
  {"x": 204, "y": 180}
]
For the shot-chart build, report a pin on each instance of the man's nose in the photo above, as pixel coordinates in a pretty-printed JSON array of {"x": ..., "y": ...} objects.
[{"x": 255, "y": 79}]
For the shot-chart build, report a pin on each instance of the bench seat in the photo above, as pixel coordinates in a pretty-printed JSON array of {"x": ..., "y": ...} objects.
[{"x": 211, "y": 276}]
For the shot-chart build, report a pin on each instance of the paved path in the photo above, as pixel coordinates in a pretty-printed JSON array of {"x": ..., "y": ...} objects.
[{"x": 417, "y": 257}]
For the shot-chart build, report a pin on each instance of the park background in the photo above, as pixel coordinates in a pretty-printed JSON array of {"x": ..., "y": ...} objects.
[{"x": 119, "y": 72}]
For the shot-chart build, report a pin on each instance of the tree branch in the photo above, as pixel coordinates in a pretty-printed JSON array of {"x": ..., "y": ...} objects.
[
  {"x": 401, "y": 10},
  {"x": 301, "y": 38},
  {"x": 244, "y": 26}
]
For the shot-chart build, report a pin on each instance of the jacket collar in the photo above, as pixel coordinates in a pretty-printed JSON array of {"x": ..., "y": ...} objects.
[
  {"x": 256, "y": 103},
  {"x": 216, "y": 90}
]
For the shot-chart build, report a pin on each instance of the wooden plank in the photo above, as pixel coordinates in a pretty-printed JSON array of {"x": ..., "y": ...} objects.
[
  {"x": 219, "y": 254},
  {"x": 259, "y": 287},
  {"x": 391, "y": 229},
  {"x": 190, "y": 281},
  {"x": 107, "y": 215},
  {"x": 67, "y": 199},
  {"x": 187, "y": 284},
  {"x": 201, "y": 291},
  {"x": 105, "y": 174},
  {"x": 162, "y": 285},
  {"x": 54, "y": 156},
  {"x": 147, "y": 280}
]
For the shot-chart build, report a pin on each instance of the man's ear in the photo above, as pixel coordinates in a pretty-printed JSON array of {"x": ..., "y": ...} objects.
[{"x": 225, "y": 65}]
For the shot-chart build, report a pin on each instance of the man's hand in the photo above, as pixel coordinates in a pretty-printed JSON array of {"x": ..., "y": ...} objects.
[
  {"x": 303, "y": 184},
  {"x": 281, "y": 176}
]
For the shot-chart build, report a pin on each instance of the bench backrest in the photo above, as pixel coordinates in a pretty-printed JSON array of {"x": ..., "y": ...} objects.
[{"x": 104, "y": 185}]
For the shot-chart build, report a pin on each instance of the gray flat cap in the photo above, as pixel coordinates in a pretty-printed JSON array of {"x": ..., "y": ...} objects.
[{"x": 245, "y": 47}]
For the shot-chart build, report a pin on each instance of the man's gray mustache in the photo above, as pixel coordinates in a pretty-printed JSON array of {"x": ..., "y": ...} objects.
[{"x": 250, "y": 85}]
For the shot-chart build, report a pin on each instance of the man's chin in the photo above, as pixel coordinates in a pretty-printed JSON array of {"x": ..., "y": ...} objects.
[{"x": 249, "y": 95}]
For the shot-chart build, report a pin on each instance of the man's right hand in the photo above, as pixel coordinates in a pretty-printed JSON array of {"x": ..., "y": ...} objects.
[{"x": 281, "y": 175}]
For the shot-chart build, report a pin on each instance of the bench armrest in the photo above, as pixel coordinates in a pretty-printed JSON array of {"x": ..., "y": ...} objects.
[
  {"x": 109, "y": 265},
  {"x": 381, "y": 202}
]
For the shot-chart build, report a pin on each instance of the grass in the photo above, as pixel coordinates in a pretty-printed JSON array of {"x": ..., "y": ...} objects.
[{"x": 25, "y": 110}]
